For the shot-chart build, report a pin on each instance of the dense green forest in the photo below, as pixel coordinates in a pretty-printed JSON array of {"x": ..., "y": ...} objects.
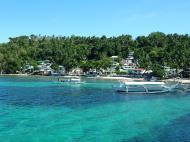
[{"x": 152, "y": 51}]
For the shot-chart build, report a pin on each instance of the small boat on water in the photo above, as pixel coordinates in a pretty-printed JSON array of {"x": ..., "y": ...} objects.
[
  {"x": 70, "y": 79},
  {"x": 145, "y": 87}
]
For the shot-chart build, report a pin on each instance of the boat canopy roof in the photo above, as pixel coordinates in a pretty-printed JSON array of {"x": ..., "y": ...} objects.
[
  {"x": 144, "y": 83},
  {"x": 71, "y": 77}
]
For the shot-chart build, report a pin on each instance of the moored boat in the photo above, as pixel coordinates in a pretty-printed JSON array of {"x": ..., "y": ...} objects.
[
  {"x": 145, "y": 87},
  {"x": 70, "y": 79}
]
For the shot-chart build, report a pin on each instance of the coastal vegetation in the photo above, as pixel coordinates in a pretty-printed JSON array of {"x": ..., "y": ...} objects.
[{"x": 152, "y": 52}]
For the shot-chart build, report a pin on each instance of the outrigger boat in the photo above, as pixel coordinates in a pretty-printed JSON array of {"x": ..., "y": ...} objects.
[
  {"x": 70, "y": 79},
  {"x": 146, "y": 87}
]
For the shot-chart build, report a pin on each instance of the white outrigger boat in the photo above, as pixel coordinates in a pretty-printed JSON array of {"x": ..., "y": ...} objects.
[
  {"x": 146, "y": 87},
  {"x": 70, "y": 79}
]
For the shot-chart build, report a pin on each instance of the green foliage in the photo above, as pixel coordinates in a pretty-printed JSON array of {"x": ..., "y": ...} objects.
[
  {"x": 158, "y": 71},
  {"x": 152, "y": 51},
  {"x": 121, "y": 72}
]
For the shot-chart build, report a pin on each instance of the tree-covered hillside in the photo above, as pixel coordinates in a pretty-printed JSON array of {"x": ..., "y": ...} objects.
[{"x": 152, "y": 51}]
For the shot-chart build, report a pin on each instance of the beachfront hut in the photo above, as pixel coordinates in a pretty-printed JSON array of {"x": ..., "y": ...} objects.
[
  {"x": 44, "y": 68},
  {"x": 171, "y": 72},
  {"x": 28, "y": 68},
  {"x": 77, "y": 71}
]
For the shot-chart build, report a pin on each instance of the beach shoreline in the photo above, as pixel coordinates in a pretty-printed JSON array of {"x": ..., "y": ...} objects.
[
  {"x": 180, "y": 80},
  {"x": 14, "y": 75},
  {"x": 119, "y": 78}
]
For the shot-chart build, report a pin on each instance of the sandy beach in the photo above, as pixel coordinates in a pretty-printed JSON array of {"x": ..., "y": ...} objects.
[
  {"x": 181, "y": 80},
  {"x": 14, "y": 74}
]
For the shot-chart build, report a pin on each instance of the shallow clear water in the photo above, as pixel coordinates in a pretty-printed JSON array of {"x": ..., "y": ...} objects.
[{"x": 44, "y": 110}]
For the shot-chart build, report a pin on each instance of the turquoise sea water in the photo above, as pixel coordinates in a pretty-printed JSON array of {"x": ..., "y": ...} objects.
[{"x": 44, "y": 110}]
